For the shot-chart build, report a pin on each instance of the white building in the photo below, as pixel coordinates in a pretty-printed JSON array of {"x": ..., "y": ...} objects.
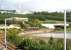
[{"x": 52, "y": 26}]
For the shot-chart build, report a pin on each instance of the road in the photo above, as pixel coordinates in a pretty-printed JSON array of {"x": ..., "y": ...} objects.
[{"x": 54, "y": 35}]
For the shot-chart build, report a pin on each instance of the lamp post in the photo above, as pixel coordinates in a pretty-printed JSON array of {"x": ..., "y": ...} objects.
[
  {"x": 5, "y": 36},
  {"x": 64, "y": 29},
  {"x": 6, "y": 32}
]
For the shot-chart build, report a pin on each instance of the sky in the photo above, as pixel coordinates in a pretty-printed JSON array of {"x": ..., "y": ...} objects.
[{"x": 36, "y": 5}]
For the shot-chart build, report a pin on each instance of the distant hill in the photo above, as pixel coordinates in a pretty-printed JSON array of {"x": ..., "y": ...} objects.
[
  {"x": 59, "y": 16},
  {"x": 7, "y": 11}
]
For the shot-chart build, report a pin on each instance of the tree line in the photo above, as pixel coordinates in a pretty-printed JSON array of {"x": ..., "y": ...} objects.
[{"x": 38, "y": 15}]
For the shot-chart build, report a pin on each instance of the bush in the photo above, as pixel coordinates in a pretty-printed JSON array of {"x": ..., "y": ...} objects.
[
  {"x": 13, "y": 37},
  {"x": 31, "y": 44}
]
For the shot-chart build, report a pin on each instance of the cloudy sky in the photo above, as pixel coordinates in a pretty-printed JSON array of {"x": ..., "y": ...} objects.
[{"x": 36, "y": 5}]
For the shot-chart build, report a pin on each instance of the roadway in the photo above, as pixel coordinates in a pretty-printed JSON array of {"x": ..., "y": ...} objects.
[{"x": 54, "y": 35}]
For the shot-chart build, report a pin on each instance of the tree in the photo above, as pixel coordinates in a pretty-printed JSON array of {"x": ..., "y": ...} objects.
[
  {"x": 68, "y": 16},
  {"x": 35, "y": 23}
]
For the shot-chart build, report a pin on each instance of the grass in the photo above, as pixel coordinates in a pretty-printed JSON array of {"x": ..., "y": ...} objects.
[{"x": 52, "y": 21}]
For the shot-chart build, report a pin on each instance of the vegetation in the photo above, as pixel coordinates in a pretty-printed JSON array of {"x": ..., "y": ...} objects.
[
  {"x": 52, "y": 44},
  {"x": 35, "y": 21},
  {"x": 68, "y": 44},
  {"x": 69, "y": 16},
  {"x": 33, "y": 43},
  {"x": 36, "y": 15},
  {"x": 12, "y": 36}
]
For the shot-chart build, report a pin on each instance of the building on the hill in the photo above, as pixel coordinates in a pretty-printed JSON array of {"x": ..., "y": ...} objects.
[
  {"x": 13, "y": 25},
  {"x": 20, "y": 19},
  {"x": 16, "y": 20}
]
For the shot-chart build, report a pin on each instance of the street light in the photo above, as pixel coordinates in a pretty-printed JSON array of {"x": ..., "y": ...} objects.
[
  {"x": 64, "y": 29},
  {"x": 5, "y": 36},
  {"x": 6, "y": 32}
]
